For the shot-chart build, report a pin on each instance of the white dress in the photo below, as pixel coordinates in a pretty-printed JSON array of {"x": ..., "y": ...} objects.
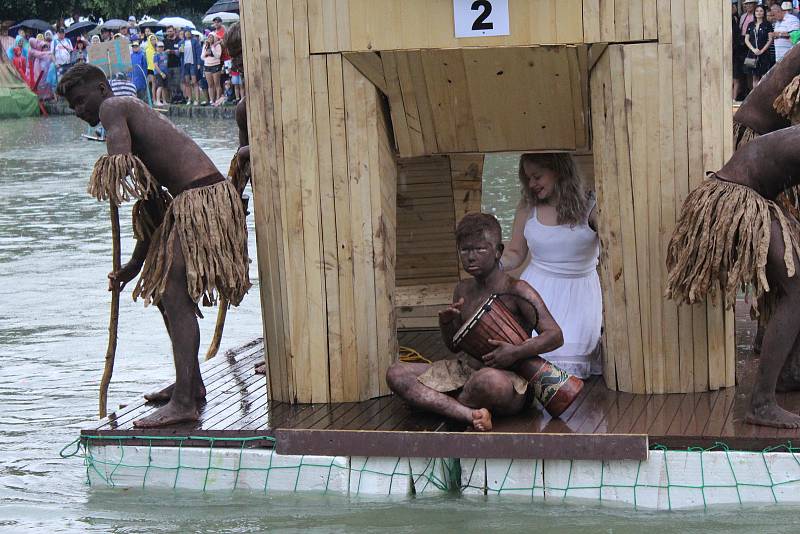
[{"x": 563, "y": 269}]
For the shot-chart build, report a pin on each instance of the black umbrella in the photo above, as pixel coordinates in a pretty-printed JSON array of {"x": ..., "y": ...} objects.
[
  {"x": 150, "y": 24},
  {"x": 80, "y": 27},
  {"x": 231, "y": 6},
  {"x": 113, "y": 24},
  {"x": 30, "y": 24}
]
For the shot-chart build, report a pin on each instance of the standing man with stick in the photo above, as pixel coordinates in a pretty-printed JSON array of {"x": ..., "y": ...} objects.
[{"x": 188, "y": 221}]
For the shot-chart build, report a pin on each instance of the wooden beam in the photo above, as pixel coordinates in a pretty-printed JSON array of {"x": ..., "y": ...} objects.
[
  {"x": 462, "y": 444},
  {"x": 370, "y": 65}
]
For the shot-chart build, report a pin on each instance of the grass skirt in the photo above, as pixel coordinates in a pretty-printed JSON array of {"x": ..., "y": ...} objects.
[
  {"x": 210, "y": 222},
  {"x": 742, "y": 135},
  {"x": 722, "y": 236}
]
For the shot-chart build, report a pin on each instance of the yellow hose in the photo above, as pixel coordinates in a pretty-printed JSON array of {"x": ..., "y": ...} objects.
[{"x": 409, "y": 355}]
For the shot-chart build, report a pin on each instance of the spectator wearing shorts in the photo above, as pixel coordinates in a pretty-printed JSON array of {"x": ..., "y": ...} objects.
[
  {"x": 212, "y": 66},
  {"x": 172, "y": 49},
  {"x": 190, "y": 60},
  {"x": 161, "y": 75}
]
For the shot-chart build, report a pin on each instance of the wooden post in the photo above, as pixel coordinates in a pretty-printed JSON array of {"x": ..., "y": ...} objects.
[
  {"x": 324, "y": 178},
  {"x": 651, "y": 145}
]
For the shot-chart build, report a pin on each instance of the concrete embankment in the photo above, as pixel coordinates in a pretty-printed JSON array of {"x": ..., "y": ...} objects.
[{"x": 201, "y": 112}]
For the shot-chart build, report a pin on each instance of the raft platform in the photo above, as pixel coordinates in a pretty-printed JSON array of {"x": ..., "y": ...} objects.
[{"x": 653, "y": 451}]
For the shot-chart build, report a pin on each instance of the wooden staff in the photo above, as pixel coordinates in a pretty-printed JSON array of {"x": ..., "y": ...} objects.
[
  {"x": 220, "y": 325},
  {"x": 114, "y": 320}
]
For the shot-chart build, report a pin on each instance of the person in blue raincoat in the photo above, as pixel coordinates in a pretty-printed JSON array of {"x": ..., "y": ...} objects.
[{"x": 139, "y": 74}]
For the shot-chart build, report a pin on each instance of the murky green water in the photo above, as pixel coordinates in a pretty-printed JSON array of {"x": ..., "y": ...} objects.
[{"x": 54, "y": 256}]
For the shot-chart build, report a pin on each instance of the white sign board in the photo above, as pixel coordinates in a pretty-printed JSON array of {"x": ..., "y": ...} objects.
[{"x": 480, "y": 18}]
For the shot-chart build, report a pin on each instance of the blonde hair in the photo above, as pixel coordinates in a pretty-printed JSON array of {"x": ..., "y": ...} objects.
[{"x": 569, "y": 196}]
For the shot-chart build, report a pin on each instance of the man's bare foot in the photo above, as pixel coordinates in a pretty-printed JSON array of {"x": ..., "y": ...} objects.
[
  {"x": 170, "y": 414},
  {"x": 772, "y": 415},
  {"x": 482, "y": 420},
  {"x": 166, "y": 394}
]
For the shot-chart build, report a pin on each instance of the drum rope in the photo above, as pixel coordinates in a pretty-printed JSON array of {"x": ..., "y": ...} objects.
[{"x": 529, "y": 301}]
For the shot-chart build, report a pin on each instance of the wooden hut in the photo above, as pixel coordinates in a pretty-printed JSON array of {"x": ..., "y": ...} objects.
[{"x": 368, "y": 124}]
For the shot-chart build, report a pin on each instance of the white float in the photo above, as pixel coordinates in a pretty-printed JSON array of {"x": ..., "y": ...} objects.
[{"x": 667, "y": 480}]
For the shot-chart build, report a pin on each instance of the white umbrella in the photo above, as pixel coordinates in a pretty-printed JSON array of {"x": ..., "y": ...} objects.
[
  {"x": 226, "y": 17},
  {"x": 177, "y": 22}
]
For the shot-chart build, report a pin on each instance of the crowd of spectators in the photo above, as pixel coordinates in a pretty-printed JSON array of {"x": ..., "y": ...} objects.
[
  {"x": 169, "y": 65},
  {"x": 763, "y": 31}
]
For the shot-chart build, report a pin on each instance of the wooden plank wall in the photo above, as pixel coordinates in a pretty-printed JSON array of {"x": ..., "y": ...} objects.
[
  {"x": 445, "y": 101},
  {"x": 426, "y": 245},
  {"x": 608, "y": 21},
  {"x": 427, "y": 260},
  {"x": 324, "y": 187},
  {"x": 361, "y": 25},
  {"x": 660, "y": 119}
]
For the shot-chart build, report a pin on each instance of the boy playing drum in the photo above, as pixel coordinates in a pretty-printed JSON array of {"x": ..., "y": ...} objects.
[{"x": 466, "y": 388}]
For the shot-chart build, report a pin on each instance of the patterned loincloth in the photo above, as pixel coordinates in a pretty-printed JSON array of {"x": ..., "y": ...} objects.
[
  {"x": 722, "y": 237},
  {"x": 210, "y": 221},
  {"x": 451, "y": 374}
]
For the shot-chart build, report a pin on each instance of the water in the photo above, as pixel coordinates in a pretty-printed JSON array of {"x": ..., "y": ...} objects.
[{"x": 54, "y": 256}]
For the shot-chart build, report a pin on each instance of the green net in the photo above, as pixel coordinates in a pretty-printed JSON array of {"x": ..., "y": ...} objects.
[{"x": 669, "y": 479}]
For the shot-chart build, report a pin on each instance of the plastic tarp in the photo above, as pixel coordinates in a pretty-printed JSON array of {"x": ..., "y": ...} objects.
[{"x": 16, "y": 99}]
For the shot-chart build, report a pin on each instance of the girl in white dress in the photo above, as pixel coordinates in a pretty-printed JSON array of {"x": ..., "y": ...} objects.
[{"x": 556, "y": 222}]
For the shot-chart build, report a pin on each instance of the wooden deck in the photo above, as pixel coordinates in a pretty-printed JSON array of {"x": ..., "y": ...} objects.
[{"x": 600, "y": 423}]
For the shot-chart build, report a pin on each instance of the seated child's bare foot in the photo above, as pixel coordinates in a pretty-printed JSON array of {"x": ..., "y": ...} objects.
[
  {"x": 170, "y": 414},
  {"x": 482, "y": 420},
  {"x": 772, "y": 415},
  {"x": 166, "y": 394}
]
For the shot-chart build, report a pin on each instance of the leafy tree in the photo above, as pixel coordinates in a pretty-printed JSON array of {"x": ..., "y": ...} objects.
[{"x": 55, "y": 10}]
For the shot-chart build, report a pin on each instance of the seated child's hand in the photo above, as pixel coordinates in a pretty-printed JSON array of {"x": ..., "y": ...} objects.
[
  {"x": 451, "y": 313},
  {"x": 502, "y": 357}
]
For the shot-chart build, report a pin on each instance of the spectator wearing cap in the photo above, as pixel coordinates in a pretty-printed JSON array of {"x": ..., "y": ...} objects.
[
  {"x": 747, "y": 17},
  {"x": 784, "y": 24},
  {"x": 133, "y": 31},
  {"x": 61, "y": 47},
  {"x": 80, "y": 54},
  {"x": 106, "y": 35},
  {"x": 139, "y": 73},
  {"x": 161, "y": 75}
]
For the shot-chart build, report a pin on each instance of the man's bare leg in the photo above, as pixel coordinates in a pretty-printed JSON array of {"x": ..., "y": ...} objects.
[
  {"x": 486, "y": 391},
  {"x": 164, "y": 395},
  {"x": 780, "y": 336},
  {"x": 184, "y": 333}
]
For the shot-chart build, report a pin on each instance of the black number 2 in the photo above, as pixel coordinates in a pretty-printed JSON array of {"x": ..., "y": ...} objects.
[{"x": 479, "y": 23}]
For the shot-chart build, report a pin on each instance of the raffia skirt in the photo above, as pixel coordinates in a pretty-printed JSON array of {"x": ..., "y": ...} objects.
[
  {"x": 210, "y": 222},
  {"x": 722, "y": 237}
]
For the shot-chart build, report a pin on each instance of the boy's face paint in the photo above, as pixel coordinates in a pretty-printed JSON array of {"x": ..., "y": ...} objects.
[{"x": 479, "y": 255}]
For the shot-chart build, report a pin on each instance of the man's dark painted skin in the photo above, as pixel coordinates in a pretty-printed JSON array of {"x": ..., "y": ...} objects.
[
  {"x": 770, "y": 164},
  {"x": 756, "y": 111},
  {"x": 175, "y": 161}
]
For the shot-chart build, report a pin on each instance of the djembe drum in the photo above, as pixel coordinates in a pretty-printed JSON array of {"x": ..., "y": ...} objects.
[{"x": 553, "y": 387}]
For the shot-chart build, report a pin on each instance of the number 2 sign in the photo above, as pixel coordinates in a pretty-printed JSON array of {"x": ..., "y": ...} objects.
[{"x": 480, "y": 18}]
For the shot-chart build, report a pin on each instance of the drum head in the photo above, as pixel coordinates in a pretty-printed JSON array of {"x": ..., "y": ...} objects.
[{"x": 470, "y": 323}]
